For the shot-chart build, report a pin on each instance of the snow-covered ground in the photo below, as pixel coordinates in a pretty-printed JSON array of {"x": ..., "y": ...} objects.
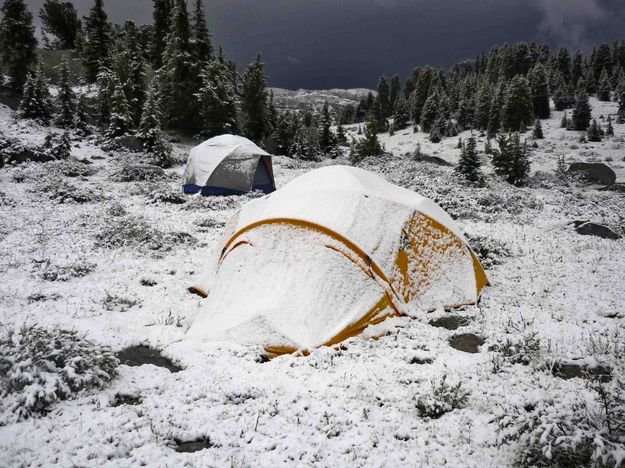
[{"x": 556, "y": 296}]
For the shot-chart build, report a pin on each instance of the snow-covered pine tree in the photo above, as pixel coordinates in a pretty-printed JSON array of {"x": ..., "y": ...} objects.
[
  {"x": 327, "y": 139},
  {"x": 120, "y": 121},
  {"x": 581, "y": 112},
  {"x": 564, "y": 123},
  {"x": 518, "y": 108},
  {"x": 620, "y": 115},
  {"x": 436, "y": 132},
  {"x": 469, "y": 164},
  {"x": 341, "y": 138},
  {"x": 562, "y": 98},
  {"x": 104, "y": 96},
  {"x": 594, "y": 132},
  {"x": 200, "y": 36},
  {"x": 180, "y": 73},
  {"x": 537, "y": 132},
  {"x": 384, "y": 98},
  {"x": 150, "y": 126},
  {"x": 18, "y": 44},
  {"x": 80, "y": 121},
  {"x": 604, "y": 90},
  {"x": 161, "y": 15},
  {"x": 367, "y": 146},
  {"x": 217, "y": 101},
  {"x": 254, "y": 100},
  {"x": 482, "y": 110},
  {"x": 539, "y": 85},
  {"x": 134, "y": 80},
  {"x": 63, "y": 149},
  {"x": 494, "y": 115},
  {"x": 609, "y": 129},
  {"x": 36, "y": 103},
  {"x": 402, "y": 113},
  {"x": 97, "y": 43},
  {"x": 65, "y": 98},
  {"x": 431, "y": 111},
  {"x": 512, "y": 159}
]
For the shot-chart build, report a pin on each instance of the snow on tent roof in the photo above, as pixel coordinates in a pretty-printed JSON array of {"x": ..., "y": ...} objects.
[{"x": 328, "y": 254}]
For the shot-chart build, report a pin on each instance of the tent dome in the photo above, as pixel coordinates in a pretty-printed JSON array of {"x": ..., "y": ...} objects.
[
  {"x": 333, "y": 251},
  {"x": 228, "y": 165}
]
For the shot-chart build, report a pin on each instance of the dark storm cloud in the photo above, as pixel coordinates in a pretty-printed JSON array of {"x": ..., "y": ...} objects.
[{"x": 349, "y": 43}]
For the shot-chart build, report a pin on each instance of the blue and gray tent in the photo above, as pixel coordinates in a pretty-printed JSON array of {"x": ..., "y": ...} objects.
[{"x": 228, "y": 165}]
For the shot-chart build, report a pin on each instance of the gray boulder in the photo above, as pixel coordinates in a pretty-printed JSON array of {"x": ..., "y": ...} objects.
[
  {"x": 598, "y": 173},
  {"x": 434, "y": 160},
  {"x": 593, "y": 229},
  {"x": 130, "y": 143}
]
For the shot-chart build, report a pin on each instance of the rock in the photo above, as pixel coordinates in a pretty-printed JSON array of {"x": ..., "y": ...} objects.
[
  {"x": 140, "y": 355},
  {"x": 618, "y": 187},
  {"x": 193, "y": 446},
  {"x": 594, "y": 229},
  {"x": 130, "y": 143},
  {"x": 434, "y": 160},
  {"x": 593, "y": 172},
  {"x": 582, "y": 370},
  {"x": 466, "y": 342},
  {"x": 450, "y": 322},
  {"x": 125, "y": 399}
]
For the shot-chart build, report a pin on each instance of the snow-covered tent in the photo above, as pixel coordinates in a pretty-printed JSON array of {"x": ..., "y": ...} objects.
[
  {"x": 228, "y": 165},
  {"x": 333, "y": 251}
]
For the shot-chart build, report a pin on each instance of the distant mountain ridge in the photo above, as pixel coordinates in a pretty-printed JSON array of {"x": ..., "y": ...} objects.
[{"x": 312, "y": 100}]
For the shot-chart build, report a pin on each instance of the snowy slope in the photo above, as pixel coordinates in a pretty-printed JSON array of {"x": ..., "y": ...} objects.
[{"x": 355, "y": 406}]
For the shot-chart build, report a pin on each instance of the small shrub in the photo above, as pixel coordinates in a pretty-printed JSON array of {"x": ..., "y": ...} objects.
[
  {"x": 40, "y": 366},
  {"x": 74, "y": 168},
  {"x": 138, "y": 173},
  {"x": 50, "y": 272},
  {"x": 489, "y": 251},
  {"x": 64, "y": 192},
  {"x": 442, "y": 399},
  {"x": 113, "y": 302},
  {"x": 588, "y": 431},
  {"x": 518, "y": 349},
  {"x": 165, "y": 195}
]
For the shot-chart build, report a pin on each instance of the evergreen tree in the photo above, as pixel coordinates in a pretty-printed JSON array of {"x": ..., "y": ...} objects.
[
  {"x": 603, "y": 93},
  {"x": 80, "y": 121},
  {"x": 327, "y": 140},
  {"x": 341, "y": 138},
  {"x": 537, "y": 133},
  {"x": 469, "y": 164},
  {"x": 620, "y": 115},
  {"x": 384, "y": 98},
  {"x": 436, "y": 132},
  {"x": 494, "y": 117},
  {"x": 17, "y": 43},
  {"x": 540, "y": 91},
  {"x": 482, "y": 110},
  {"x": 217, "y": 100},
  {"x": 134, "y": 74},
  {"x": 36, "y": 102},
  {"x": 564, "y": 123},
  {"x": 512, "y": 159},
  {"x": 594, "y": 132},
  {"x": 200, "y": 37},
  {"x": 254, "y": 101},
  {"x": 402, "y": 113},
  {"x": 161, "y": 16},
  {"x": 562, "y": 98},
  {"x": 150, "y": 126},
  {"x": 394, "y": 94},
  {"x": 60, "y": 19},
  {"x": 97, "y": 45},
  {"x": 581, "y": 112},
  {"x": 609, "y": 129},
  {"x": 367, "y": 146},
  {"x": 431, "y": 111},
  {"x": 63, "y": 149},
  {"x": 120, "y": 121},
  {"x": 104, "y": 95},
  {"x": 65, "y": 97},
  {"x": 518, "y": 109}
]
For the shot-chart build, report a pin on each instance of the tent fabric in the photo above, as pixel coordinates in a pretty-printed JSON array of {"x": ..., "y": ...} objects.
[
  {"x": 327, "y": 255},
  {"x": 228, "y": 165}
]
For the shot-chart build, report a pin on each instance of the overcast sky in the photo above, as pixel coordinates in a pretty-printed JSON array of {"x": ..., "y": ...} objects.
[{"x": 320, "y": 44}]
